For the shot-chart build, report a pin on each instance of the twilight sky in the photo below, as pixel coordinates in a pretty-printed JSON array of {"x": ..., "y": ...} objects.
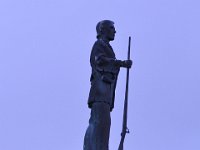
[{"x": 44, "y": 72}]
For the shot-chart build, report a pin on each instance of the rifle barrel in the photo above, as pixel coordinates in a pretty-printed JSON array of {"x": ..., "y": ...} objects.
[{"x": 124, "y": 124}]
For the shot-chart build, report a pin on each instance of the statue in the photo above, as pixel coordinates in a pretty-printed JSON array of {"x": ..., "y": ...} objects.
[{"x": 105, "y": 69}]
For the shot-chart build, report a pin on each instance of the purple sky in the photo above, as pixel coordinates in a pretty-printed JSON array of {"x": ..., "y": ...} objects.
[{"x": 44, "y": 72}]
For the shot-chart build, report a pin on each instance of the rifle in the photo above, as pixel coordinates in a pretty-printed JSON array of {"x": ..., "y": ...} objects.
[{"x": 124, "y": 124}]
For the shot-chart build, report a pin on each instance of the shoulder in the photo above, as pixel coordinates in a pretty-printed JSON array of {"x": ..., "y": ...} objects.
[
  {"x": 99, "y": 44},
  {"x": 98, "y": 47}
]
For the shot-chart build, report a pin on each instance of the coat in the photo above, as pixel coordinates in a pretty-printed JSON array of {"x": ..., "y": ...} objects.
[{"x": 104, "y": 74}]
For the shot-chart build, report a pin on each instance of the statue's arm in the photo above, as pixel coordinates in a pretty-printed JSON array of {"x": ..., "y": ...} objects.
[{"x": 102, "y": 59}]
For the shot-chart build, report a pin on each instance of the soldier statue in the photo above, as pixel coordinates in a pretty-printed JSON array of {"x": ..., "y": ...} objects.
[{"x": 105, "y": 69}]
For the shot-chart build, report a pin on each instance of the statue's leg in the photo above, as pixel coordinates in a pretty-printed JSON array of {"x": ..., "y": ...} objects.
[
  {"x": 101, "y": 126},
  {"x": 86, "y": 145},
  {"x": 88, "y": 135},
  {"x": 98, "y": 131}
]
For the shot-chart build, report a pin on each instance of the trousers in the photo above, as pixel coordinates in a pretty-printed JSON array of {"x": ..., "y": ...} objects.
[{"x": 98, "y": 131}]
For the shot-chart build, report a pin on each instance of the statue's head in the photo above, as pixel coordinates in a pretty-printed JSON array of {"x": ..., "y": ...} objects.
[{"x": 106, "y": 30}]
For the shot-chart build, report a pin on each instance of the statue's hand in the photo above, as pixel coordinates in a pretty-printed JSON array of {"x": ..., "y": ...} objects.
[{"x": 127, "y": 63}]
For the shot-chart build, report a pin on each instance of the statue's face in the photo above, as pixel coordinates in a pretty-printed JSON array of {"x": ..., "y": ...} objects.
[{"x": 109, "y": 31}]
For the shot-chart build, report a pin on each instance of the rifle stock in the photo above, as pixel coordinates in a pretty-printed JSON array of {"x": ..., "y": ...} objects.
[{"x": 124, "y": 124}]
